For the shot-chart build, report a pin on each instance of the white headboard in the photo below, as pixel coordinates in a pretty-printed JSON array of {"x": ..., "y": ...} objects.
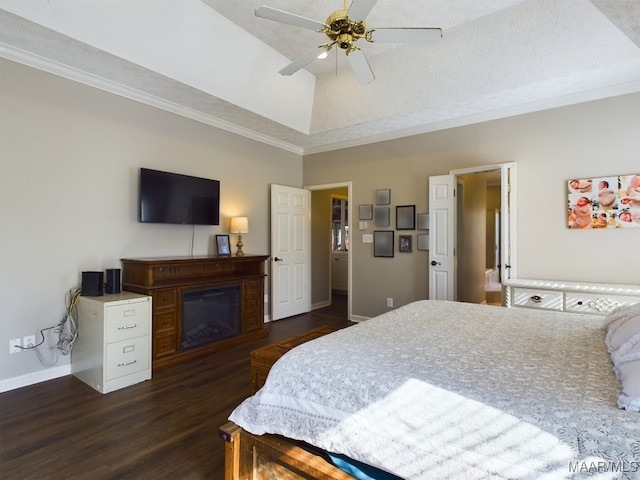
[{"x": 576, "y": 297}]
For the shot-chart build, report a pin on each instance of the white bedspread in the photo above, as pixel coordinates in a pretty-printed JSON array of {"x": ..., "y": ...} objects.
[{"x": 447, "y": 390}]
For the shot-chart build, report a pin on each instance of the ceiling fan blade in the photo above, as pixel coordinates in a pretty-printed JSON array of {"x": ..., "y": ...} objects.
[
  {"x": 289, "y": 18},
  {"x": 360, "y": 66},
  {"x": 301, "y": 62},
  {"x": 359, "y": 9},
  {"x": 405, "y": 35}
]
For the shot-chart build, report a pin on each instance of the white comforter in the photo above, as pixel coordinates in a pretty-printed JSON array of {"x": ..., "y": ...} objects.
[{"x": 447, "y": 390}]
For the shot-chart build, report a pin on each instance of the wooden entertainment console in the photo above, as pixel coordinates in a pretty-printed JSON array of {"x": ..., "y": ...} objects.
[{"x": 167, "y": 279}]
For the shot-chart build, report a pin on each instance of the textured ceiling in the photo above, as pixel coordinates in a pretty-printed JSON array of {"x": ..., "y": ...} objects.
[{"x": 216, "y": 62}]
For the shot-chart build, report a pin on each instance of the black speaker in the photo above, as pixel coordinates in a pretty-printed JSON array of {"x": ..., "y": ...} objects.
[
  {"x": 113, "y": 281},
  {"x": 92, "y": 284}
]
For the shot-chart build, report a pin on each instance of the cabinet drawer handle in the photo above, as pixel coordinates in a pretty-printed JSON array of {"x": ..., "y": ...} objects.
[
  {"x": 125, "y": 364},
  {"x": 536, "y": 299},
  {"x": 128, "y": 327}
]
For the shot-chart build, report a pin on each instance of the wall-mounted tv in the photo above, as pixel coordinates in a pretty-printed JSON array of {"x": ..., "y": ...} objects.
[{"x": 174, "y": 198}]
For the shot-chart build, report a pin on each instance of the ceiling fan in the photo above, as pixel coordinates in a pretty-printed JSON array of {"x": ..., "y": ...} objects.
[{"x": 345, "y": 27}]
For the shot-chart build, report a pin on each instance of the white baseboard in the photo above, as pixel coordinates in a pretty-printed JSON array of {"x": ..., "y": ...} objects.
[
  {"x": 326, "y": 303},
  {"x": 359, "y": 318},
  {"x": 35, "y": 377}
]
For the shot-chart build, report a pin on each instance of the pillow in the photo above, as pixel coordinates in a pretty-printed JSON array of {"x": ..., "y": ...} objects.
[
  {"x": 623, "y": 341},
  {"x": 622, "y": 324},
  {"x": 630, "y": 350},
  {"x": 622, "y": 331},
  {"x": 630, "y": 377},
  {"x": 623, "y": 311}
]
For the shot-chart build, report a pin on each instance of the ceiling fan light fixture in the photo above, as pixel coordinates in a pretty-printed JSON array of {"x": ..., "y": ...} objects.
[
  {"x": 343, "y": 30},
  {"x": 345, "y": 41}
]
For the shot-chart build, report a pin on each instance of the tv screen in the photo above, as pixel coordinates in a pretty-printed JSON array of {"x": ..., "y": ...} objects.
[{"x": 173, "y": 198}]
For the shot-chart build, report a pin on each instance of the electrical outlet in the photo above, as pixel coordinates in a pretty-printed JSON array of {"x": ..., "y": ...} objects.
[
  {"x": 390, "y": 302},
  {"x": 29, "y": 341},
  {"x": 14, "y": 345}
]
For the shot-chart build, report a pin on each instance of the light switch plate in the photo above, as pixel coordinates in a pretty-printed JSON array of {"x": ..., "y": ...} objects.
[{"x": 367, "y": 238}]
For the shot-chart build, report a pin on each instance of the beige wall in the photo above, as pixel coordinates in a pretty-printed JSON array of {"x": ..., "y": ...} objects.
[
  {"x": 68, "y": 192},
  {"x": 549, "y": 147},
  {"x": 68, "y": 181}
]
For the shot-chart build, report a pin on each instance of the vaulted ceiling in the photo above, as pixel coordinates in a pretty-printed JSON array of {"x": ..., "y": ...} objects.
[{"x": 216, "y": 62}]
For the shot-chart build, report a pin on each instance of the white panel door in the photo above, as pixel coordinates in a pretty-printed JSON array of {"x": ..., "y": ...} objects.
[
  {"x": 442, "y": 237},
  {"x": 290, "y": 251},
  {"x": 507, "y": 221}
]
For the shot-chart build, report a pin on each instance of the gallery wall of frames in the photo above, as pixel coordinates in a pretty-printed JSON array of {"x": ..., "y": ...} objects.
[{"x": 406, "y": 220}]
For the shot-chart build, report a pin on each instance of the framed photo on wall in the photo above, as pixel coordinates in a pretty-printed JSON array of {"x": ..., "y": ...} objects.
[
  {"x": 423, "y": 241},
  {"x": 604, "y": 202},
  {"x": 405, "y": 243},
  {"x": 365, "y": 212},
  {"x": 406, "y": 217},
  {"x": 383, "y": 197},
  {"x": 383, "y": 243},
  {"x": 381, "y": 217},
  {"x": 423, "y": 221}
]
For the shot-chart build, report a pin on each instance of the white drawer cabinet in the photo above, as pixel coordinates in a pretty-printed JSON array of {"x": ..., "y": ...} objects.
[
  {"x": 591, "y": 298},
  {"x": 598, "y": 304},
  {"x": 113, "y": 348},
  {"x": 537, "y": 298}
]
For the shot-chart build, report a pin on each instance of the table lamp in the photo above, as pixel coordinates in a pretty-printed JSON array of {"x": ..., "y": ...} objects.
[{"x": 239, "y": 225}]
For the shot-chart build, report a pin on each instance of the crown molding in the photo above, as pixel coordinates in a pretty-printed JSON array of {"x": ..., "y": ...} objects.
[
  {"x": 512, "y": 111},
  {"x": 80, "y": 76},
  {"x": 85, "y": 78}
]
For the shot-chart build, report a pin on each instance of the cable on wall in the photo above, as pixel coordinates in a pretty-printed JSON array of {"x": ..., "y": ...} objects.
[{"x": 66, "y": 329}]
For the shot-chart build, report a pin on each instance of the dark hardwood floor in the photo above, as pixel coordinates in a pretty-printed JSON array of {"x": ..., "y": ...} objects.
[{"x": 165, "y": 428}]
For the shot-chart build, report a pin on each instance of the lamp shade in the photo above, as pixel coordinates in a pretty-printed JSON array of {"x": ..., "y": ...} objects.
[{"x": 239, "y": 225}]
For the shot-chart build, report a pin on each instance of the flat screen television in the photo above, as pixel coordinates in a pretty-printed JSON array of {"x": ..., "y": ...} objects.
[{"x": 174, "y": 198}]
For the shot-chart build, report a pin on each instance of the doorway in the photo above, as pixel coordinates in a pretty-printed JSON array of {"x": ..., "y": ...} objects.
[
  {"x": 339, "y": 262},
  {"x": 331, "y": 272},
  {"x": 478, "y": 203},
  {"x": 465, "y": 260}
]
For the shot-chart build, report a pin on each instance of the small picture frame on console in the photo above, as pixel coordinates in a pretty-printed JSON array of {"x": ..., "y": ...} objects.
[{"x": 222, "y": 245}]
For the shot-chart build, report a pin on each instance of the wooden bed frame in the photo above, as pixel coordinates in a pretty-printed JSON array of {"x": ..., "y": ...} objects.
[
  {"x": 257, "y": 457},
  {"x": 263, "y": 457}
]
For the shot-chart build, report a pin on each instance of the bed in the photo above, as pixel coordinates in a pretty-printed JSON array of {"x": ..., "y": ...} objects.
[{"x": 447, "y": 390}]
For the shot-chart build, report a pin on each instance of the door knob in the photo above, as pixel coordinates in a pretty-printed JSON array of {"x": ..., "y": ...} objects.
[
  {"x": 434, "y": 263},
  {"x": 278, "y": 259}
]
